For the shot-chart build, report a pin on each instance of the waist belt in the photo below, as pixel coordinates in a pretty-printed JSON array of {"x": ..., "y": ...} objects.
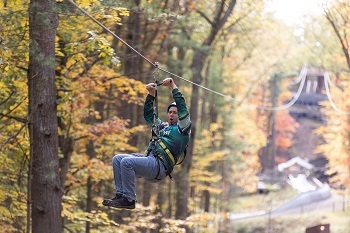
[{"x": 167, "y": 151}]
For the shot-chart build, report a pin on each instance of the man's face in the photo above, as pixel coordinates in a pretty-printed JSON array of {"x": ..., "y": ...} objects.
[{"x": 172, "y": 115}]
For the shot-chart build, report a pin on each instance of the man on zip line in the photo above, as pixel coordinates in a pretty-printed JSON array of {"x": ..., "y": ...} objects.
[{"x": 169, "y": 141}]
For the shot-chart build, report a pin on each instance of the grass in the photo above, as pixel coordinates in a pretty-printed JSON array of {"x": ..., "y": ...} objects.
[{"x": 259, "y": 202}]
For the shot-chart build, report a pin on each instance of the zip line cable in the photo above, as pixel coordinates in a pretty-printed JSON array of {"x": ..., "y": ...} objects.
[
  {"x": 153, "y": 64},
  {"x": 301, "y": 78}
]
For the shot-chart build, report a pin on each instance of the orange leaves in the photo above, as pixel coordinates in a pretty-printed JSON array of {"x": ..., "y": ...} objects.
[
  {"x": 132, "y": 90},
  {"x": 99, "y": 130},
  {"x": 97, "y": 170},
  {"x": 285, "y": 127}
]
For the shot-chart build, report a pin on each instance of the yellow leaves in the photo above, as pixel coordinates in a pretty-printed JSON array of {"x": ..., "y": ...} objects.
[
  {"x": 244, "y": 172},
  {"x": 86, "y": 3},
  {"x": 211, "y": 137},
  {"x": 137, "y": 129},
  {"x": 202, "y": 222},
  {"x": 72, "y": 214},
  {"x": 131, "y": 90},
  {"x": 336, "y": 136},
  {"x": 175, "y": 226},
  {"x": 106, "y": 128},
  {"x": 246, "y": 130},
  {"x": 98, "y": 169},
  {"x": 14, "y": 5},
  {"x": 79, "y": 52},
  {"x": 12, "y": 200},
  {"x": 4, "y": 90},
  {"x": 95, "y": 168}
]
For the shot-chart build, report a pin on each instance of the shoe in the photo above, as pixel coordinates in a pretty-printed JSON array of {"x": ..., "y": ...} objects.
[
  {"x": 106, "y": 201},
  {"x": 122, "y": 203}
]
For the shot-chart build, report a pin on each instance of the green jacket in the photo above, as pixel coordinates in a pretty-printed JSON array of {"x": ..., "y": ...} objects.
[{"x": 176, "y": 136}]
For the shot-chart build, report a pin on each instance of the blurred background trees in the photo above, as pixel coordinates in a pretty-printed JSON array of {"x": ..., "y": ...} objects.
[{"x": 237, "y": 48}]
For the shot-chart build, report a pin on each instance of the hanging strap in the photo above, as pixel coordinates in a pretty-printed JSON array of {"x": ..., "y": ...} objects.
[{"x": 155, "y": 126}]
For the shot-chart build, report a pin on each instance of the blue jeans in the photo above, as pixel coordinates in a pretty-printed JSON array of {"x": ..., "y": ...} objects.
[{"x": 126, "y": 167}]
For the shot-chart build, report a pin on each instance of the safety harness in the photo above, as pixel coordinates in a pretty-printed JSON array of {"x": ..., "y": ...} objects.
[
  {"x": 155, "y": 125},
  {"x": 156, "y": 129}
]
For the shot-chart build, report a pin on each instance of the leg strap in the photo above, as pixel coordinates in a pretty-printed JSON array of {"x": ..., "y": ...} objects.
[
  {"x": 153, "y": 149},
  {"x": 156, "y": 178}
]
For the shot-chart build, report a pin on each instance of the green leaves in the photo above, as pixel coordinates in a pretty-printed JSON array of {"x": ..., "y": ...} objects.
[{"x": 103, "y": 48}]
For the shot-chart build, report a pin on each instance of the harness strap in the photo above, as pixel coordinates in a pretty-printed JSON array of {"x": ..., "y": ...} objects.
[
  {"x": 156, "y": 178},
  {"x": 155, "y": 154},
  {"x": 153, "y": 149},
  {"x": 166, "y": 151}
]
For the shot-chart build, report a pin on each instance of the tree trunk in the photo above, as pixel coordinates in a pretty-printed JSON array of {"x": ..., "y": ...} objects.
[
  {"x": 133, "y": 62},
  {"x": 198, "y": 63},
  {"x": 170, "y": 200},
  {"x": 148, "y": 187},
  {"x": 274, "y": 90},
  {"x": 181, "y": 197},
  {"x": 88, "y": 203},
  {"x": 90, "y": 151},
  {"x": 46, "y": 192},
  {"x": 206, "y": 200}
]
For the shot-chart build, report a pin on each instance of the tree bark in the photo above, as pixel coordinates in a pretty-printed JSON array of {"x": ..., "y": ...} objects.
[
  {"x": 90, "y": 151},
  {"x": 46, "y": 192},
  {"x": 198, "y": 63}
]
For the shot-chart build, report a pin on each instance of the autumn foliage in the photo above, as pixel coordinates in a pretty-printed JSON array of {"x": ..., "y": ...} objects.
[{"x": 100, "y": 86}]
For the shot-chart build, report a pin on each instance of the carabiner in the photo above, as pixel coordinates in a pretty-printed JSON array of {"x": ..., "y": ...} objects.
[{"x": 156, "y": 74}]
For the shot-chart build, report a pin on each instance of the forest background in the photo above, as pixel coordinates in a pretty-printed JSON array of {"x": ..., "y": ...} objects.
[{"x": 71, "y": 97}]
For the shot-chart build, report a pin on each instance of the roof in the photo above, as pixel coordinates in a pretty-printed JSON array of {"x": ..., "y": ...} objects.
[{"x": 296, "y": 160}]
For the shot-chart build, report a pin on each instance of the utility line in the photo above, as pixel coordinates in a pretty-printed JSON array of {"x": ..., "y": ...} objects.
[
  {"x": 327, "y": 81},
  {"x": 301, "y": 78}
]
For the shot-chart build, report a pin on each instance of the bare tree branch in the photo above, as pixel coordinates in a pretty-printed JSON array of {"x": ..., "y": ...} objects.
[
  {"x": 19, "y": 119},
  {"x": 15, "y": 135},
  {"x": 7, "y": 99},
  {"x": 342, "y": 38}
]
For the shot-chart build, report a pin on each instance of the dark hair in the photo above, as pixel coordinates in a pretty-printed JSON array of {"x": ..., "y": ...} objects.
[{"x": 171, "y": 105}]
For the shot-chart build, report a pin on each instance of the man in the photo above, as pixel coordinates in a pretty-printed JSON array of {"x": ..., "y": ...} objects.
[{"x": 162, "y": 154}]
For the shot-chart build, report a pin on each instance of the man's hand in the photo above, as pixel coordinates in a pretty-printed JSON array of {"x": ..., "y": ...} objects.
[
  {"x": 169, "y": 82},
  {"x": 151, "y": 88}
]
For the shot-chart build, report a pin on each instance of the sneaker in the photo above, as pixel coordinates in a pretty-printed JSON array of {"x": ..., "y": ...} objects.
[
  {"x": 122, "y": 202},
  {"x": 116, "y": 197}
]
